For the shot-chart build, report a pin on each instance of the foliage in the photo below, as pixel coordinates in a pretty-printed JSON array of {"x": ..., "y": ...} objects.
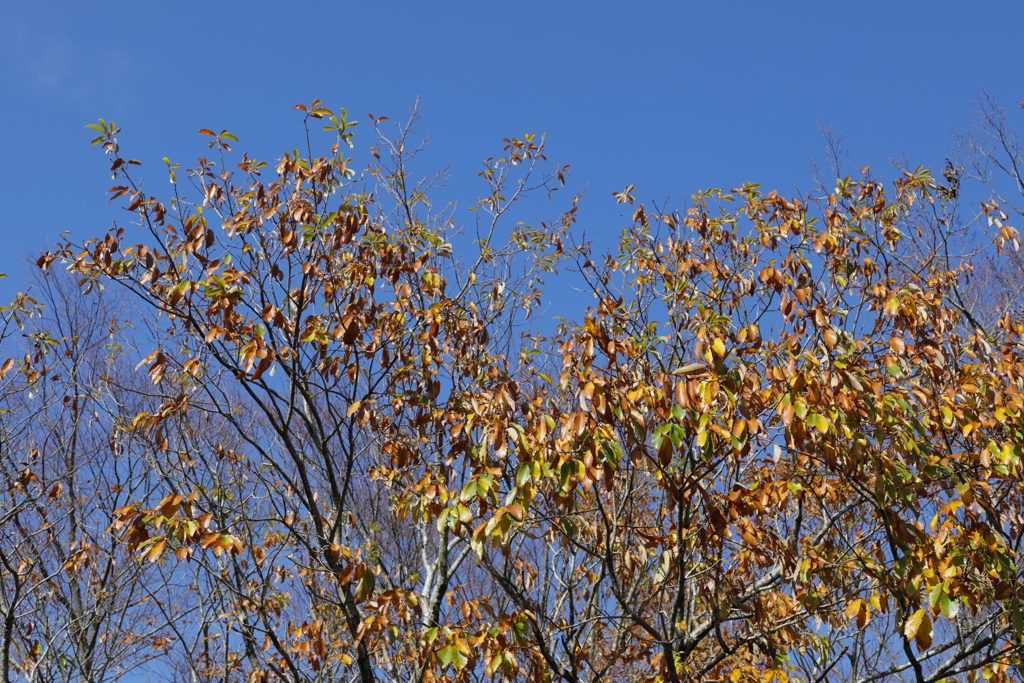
[{"x": 769, "y": 450}]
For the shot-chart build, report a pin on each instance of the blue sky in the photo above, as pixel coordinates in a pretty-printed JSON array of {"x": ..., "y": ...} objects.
[{"x": 671, "y": 96}]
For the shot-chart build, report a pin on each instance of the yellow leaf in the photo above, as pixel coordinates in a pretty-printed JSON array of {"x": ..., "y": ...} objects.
[
  {"x": 924, "y": 633},
  {"x": 156, "y": 550},
  {"x": 919, "y": 627},
  {"x": 821, "y": 423},
  {"x": 689, "y": 369}
]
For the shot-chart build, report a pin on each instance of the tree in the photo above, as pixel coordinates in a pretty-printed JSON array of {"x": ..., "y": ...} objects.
[
  {"x": 989, "y": 155},
  {"x": 71, "y": 608},
  {"x": 768, "y": 451}
]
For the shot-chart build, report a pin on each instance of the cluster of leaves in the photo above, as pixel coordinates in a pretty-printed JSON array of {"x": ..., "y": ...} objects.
[{"x": 774, "y": 449}]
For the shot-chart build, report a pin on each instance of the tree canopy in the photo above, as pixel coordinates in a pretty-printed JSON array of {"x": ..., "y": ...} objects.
[{"x": 292, "y": 423}]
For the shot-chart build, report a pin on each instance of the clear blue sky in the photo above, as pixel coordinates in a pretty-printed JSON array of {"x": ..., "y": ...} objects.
[{"x": 671, "y": 96}]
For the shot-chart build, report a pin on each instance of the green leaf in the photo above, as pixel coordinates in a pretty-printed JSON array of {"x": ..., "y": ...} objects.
[
  {"x": 458, "y": 659},
  {"x": 676, "y": 434},
  {"x": 570, "y": 527},
  {"x": 949, "y": 606},
  {"x": 940, "y": 601},
  {"x": 1017, "y": 619},
  {"x": 469, "y": 492},
  {"x": 611, "y": 452},
  {"x": 365, "y": 588},
  {"x": 523, "y": 474},
  {"x": 563, "y": 474}
]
